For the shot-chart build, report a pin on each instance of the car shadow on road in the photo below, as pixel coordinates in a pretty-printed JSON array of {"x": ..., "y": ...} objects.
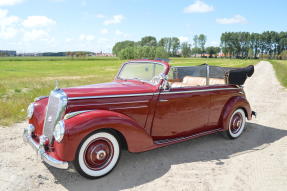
[{"x": 135, "y": 169}]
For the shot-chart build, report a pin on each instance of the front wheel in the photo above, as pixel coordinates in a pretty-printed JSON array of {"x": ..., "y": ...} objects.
[
  {"x": 97, "y": 155},
  {"x": 236, "y": 124}
]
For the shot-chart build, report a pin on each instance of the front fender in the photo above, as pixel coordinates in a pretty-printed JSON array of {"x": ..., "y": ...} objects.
[
  {"x": 78, "y": 127},
  {"x": 233, "y": 104}
]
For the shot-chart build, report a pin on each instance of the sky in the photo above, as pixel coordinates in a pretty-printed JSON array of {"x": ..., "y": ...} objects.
[{"x": 94, "y": 25}]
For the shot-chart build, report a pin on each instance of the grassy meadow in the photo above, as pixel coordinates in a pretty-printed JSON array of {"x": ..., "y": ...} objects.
[
  {"x": 280, "y": 67},
  {"x": 24, "y": 78}
]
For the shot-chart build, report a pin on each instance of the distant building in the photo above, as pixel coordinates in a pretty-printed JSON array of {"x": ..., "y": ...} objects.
[
  {"x": 29, "y": 54},
  {"x": 104, "y": 54},
  {"x": 8, "y": 53}
]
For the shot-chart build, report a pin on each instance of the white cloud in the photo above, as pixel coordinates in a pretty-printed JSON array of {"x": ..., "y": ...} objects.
[
  {"x": 183, "y": 39},
  {"x": 116, "y": 19},
  {"x": 198, "y": 7},
  {"x": 100, "y": 16},
  {"x": 8, "y": 25},
  {"x": 8, "y": 33},
  {"x": 10, "y": 2},
  {"x": 37, "y": 21},
  {"x": 36, "y": 35},
  {"x": 104, "y": 31},
  {"x": 87, "y": 37},
  {"x": 68, "y": 40},
  {"x": 213, "y": 43},
  {"x": 120, "y": 33},
  {"x": 236, "y": 19},
  {"x": 6, "y": 20}
]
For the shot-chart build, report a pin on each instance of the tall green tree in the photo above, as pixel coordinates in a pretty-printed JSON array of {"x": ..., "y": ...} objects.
[
  {"x": 175, "y": 45},
  {"x": 148, "y": 41},
  {"x": 122, "y": 45},
  {"x": 201, "y": 42},
  {"x": 186, "y": 49},
  {"x": 195, "y": 41},
  {"x": 166, "y": 43},
  {"x": 211, "y": 50}
]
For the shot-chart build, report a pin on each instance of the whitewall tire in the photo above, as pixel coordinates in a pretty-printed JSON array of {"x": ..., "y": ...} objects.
[
  {"x": 98, "y": 154},
  {"x": 236, "y": 124}
]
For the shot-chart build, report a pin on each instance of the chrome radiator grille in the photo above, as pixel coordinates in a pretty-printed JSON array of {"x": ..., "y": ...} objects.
[{"x": 54, "y": 111}]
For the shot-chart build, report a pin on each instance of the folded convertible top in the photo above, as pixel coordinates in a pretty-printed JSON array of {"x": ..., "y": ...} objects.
[{"x": 238, "y": 76}]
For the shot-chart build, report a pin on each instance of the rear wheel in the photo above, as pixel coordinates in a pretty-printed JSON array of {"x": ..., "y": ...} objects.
[
  {"x": 97, "y": 155},
  {"x": 236, "y": 124}
]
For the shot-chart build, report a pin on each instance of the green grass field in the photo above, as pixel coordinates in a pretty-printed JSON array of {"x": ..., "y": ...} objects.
[
  {"x": 280, "y": 67},
  {"x": 24, "y": 78}
]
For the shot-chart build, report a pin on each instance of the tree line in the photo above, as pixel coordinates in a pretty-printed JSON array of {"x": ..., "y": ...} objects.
[
  {"x": 149, "y": 47},
  {"x": 269, "y": 44}
]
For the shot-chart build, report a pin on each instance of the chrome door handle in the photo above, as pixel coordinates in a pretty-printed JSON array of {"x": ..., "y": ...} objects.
[{"x": 163, "y": 100}]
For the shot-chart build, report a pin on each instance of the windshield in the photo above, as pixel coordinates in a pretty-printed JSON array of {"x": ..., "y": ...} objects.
[{"x": 148, "y": 72}]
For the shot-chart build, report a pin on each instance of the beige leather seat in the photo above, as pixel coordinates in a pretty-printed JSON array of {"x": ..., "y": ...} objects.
[
  {"x": 178, "y": 85},
  {"x": 196, "y": 81},
  {"x": 216, "y": 81}
]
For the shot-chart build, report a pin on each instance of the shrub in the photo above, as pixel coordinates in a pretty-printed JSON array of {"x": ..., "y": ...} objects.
[
  {"x": 283, "y": 55},
  {"x": 160, "y": 52},
  {"x": 142, "y": 52},
  {"x": 127, "y": 53}
]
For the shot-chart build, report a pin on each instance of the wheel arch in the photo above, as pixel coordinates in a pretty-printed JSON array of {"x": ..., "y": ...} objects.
[
  {"x": 233, "y": 104},
  {"x": 132, "y": 136}
]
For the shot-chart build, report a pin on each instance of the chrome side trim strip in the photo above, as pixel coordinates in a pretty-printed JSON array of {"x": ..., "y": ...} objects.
[
  {"x": 164, "y": 141},
  {"x": 73, "y": 114},
  {"x": 150, "y": 94},
  {"x": 144, "y": 106},
  {"x": 39, "y": 98},
  {"x": 193, "y": 91},
  {"x": 116, "y": 103},
  {"x": 112, "y": 96}
]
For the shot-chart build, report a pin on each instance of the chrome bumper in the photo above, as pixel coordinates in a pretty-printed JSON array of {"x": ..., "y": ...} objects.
[{"x": 39, "y": 148}]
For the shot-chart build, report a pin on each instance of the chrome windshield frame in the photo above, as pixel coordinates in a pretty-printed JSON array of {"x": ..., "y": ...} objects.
[{"x": 137, "y": 62}]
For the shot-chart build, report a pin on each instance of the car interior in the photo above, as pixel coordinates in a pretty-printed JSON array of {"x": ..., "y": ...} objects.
[
  {"x": 196, "y": 81},
  {"x": 203, "y": 75}
]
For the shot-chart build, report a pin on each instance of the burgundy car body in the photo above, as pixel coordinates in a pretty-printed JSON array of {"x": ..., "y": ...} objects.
[{"x": 146, "y": 116}]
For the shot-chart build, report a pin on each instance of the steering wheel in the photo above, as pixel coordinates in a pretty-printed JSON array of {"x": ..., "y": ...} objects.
[{"x": 155, "y": 80}]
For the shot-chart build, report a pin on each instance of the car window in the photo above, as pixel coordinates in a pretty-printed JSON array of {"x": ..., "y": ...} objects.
[{"x": 141, "y": 71}]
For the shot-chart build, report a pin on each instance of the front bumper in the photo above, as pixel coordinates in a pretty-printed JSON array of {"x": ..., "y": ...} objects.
[{"x": 39, "y": 148}]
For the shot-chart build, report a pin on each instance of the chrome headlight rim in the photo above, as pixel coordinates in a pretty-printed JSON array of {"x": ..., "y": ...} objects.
[
  {"x": 30, "y": 110},
  {"x": 59, "y": 131}
]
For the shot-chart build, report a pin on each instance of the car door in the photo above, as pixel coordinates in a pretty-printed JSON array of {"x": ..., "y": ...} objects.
[{"x": 181, "y": 112}]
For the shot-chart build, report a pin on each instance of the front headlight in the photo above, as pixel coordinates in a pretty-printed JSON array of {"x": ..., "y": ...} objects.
[
  {"x": 30, "y": 111},
  {"x": 59, "y": 131}
]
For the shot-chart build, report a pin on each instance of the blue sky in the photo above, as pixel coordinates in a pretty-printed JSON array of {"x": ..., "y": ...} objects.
[{"x": 93, "y": 25}]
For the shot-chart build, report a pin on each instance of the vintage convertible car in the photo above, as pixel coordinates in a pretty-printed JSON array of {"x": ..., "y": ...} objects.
[{"x": 149, "y": 105}]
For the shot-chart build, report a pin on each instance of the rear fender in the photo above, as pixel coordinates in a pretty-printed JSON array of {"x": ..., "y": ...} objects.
[
  {"x": 233, "y": 104},
  {"x": 78, "y": 127}
]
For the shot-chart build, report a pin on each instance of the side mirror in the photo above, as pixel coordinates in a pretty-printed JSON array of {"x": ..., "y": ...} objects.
[{"x": 165, "y": 85}]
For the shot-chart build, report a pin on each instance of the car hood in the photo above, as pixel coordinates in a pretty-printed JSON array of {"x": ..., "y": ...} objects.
[{"x": 111, "y": 88}]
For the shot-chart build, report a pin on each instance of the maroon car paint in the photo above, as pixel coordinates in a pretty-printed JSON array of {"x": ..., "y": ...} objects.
[{"x": 145, "y": 121}]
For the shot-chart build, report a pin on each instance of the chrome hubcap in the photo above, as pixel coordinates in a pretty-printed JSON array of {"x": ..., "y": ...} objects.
[
  {"x": 236, "y": 123},
  {"x": 101, "y": 154},
  {"x": 98, "y": 154}
]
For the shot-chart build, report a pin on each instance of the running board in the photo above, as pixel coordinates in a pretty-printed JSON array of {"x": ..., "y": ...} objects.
[{"x": 180, "y": 139}]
